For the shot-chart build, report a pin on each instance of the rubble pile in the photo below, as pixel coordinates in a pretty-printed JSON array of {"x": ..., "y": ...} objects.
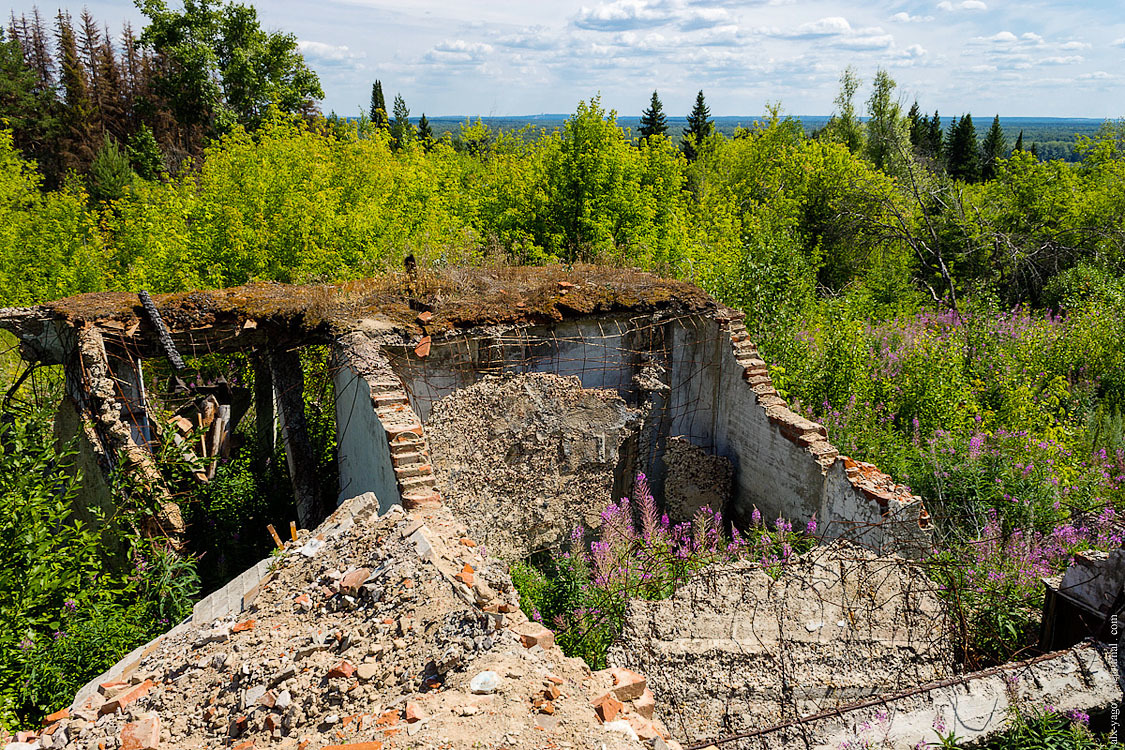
[
  {"x": 523, "y": 459},
  {"x": 370, "y": 633}
]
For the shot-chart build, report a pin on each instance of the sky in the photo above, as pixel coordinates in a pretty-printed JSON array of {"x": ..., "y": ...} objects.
[{"x": 1048, "y": 58}]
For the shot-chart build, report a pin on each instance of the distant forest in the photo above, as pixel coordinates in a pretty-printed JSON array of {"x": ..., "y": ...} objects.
[{"x": 1052, "y": 137}]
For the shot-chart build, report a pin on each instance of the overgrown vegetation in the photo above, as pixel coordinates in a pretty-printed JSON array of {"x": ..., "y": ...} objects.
[
  {"x": 961, "y": 333},
  {"x": 582, "y": 594}
]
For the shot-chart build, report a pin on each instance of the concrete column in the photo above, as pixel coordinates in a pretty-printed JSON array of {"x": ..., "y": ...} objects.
[{"x": 289, "y": 387}]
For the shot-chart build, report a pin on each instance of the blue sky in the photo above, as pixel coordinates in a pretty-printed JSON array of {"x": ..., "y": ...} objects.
[{"x": 505, "y": 57}]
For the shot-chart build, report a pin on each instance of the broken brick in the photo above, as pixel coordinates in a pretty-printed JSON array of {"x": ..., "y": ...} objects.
[
  {"x": 466, "y": 575},
  {"x": 607, "y": 707},
  {"x": 353, "y": 579},
  {"x": 56, "y": 716},
  {"x": 125, "y": 698},
  {"x": 143, "y": 734},
  {"x": 534, "y": 634},
  {"x": 627, "y": 685},
  {"x": 343, "y": 669},
  {"x": 414, "y": 713},
  {"x": 373, "y": 745},
  {"x": 243, "y": 626},
  {"x": 646, "y": 704}
]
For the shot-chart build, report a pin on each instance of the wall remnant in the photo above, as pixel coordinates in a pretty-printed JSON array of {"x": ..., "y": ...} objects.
[{"x": 737, "y": 648}]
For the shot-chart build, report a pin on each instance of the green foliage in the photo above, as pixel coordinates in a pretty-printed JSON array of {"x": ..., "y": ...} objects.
[
  {"x": 110, "y": 174},
  {"x": 144, "y": 154},
  {"x": 222, "y": 67},
  {"x": 845, "y": 127},
  {"x": 962, "y": 152}
]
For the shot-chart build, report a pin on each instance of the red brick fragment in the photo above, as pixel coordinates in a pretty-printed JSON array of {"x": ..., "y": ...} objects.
[
  {"x": 143, "y": 734},
  {"x": 343, "y": 669},
  {"x": 56, "y": 716},
  {"x": 244, "y": 625},
  {"x": 125, "y": 698},
  {"x": 607, "y": 707}
]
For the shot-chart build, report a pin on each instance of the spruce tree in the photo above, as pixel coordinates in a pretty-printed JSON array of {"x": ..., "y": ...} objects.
[
  {"x": 378, "y": 111},
  {"x": 917, "y": 125},
  {"x": 653, "y": 121},
  {"x": 24, "y": 106},
  {"x": 110, "y": 173},
  {"x": 1019, "y": 143},
  {"x": 401, "y": 129},
  {"x": 962, "y": 159},
  {"x": 993, "y": 150},
  {"x": 425, "y": 132},
  {"x": 76, "y": 142},
  {"x": 933, "y": 137},
  {"x": 699, "y": 127}
]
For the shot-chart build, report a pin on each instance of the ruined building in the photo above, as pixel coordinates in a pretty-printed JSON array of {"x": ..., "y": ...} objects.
[
  {"x": 483, "y": 414},
  {"x": 669, "y": 364}
]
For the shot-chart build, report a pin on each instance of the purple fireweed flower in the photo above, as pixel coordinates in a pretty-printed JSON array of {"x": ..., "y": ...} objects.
[
  {"x": 756, "y": 516},
  {"x": 810, "y": 527},
  {"x": 26, "y": 644},
  {"x": 70, "y": 605}
]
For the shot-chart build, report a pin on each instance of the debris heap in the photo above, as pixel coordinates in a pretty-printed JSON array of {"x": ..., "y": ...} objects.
[{"x": 371, "y": 632}]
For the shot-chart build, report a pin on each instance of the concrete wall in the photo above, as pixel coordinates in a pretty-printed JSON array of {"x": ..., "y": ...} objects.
[
  {"x": 976, "y": 707},
  {"x": 737, "y": 648},
  {"x": 363, "y": 456},
  {"x": 599, "y": 351}
]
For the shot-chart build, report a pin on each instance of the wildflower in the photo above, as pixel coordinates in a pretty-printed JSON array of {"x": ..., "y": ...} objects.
[
  {"x": 756, "y": 516},
  {"x": 938, "y": 723},
  {"x": 27, "y": 644},
  {"x": 810, "y": 527},
  {"x": 70, "y": 605},
  {"x": 1079, "y": 716},
  {"x": 59, "y": 635}
]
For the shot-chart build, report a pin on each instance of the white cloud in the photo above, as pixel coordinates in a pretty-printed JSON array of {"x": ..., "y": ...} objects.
[
  {"x": 1075, "y": 45},
  {"x": 1097, "y": 75},
  {"x": 621, "y": 15},
  {"x": 824, "y": 27},
  {"x": 706, "y": 18},
  {"x": 1118, "y": 42},
  {"x": 1062, "y": 60},
  {"x": 962, "y": 5},
  {"x": 907, "y": 18},
  {"x": 329, "y": 54},
  {"x": 458, "y": 52},
  {"x": 1003, "y": 37},
  {"x": 916, "y": 50},
  {"x": 1032, "y": 37}
]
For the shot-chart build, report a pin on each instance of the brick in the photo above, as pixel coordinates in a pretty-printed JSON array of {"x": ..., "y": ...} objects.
[
  {"x": 466, "y": 575},
  {"x": 273, "y": 722},
  {"x": 343, "y": 669},
  {"x": 467, "y": 542},
  {"x": 112, "y": 688},
  {"x": 646, "y": 704},
  {"x": 414, "y": 713},
  {"x": 423, "y": 348},
  {"x": 353, "y": 579},
  {"x": 534, "y": 634},
  {"x": 425, "y": 317},
  {"x": 56, "y": 716},
  {"x": 243, "y": 626},
  {"x": 125, "y": 698},
  {"x": 627, "y": 685},
  {"x": 606, "y": 707},
  {"x": 373, "y": 745},
  {"x": 143, "y": 734}
]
